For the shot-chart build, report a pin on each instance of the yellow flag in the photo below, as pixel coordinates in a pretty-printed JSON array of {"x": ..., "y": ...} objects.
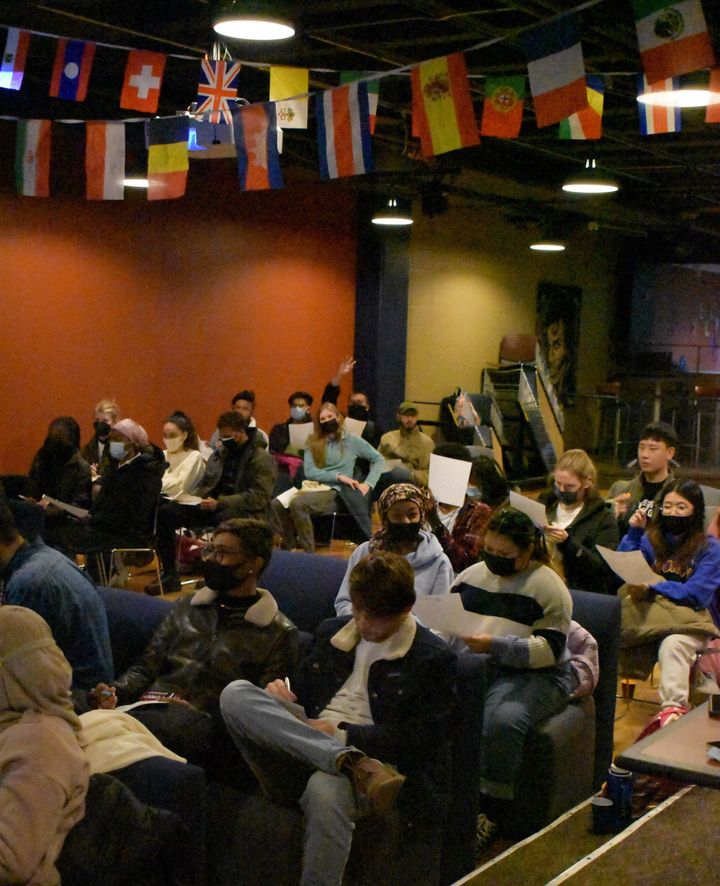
[{"x": 285, "y": 83}]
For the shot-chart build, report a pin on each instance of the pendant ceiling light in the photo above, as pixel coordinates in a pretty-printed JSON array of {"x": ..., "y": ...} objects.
[
  {"x": 394, "y": 213},
  {"x": 691, "y": 92},
  {"x": 251, "y": 21},
  {"x": 547, "y": 244},
  {"x": 590, "y": 181}
]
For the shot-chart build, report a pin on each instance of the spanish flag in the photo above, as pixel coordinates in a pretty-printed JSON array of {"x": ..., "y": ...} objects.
[
  {"x": 167, "y": 140},
  {"x": 443, "y": 115}
]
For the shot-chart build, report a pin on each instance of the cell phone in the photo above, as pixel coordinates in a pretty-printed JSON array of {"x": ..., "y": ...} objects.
[{"x": 714, "y": 706}]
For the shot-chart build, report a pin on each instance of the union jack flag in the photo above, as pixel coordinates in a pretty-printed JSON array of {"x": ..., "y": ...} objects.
[{"x": 218, "y": 83}]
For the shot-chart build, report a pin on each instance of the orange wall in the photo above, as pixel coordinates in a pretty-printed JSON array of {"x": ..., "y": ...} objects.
[{"x": 172, "y": 305}]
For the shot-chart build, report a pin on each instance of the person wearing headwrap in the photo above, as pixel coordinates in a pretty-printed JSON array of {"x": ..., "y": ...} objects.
[
  {"x": 403, "y": 511},
  {"x": 43, "y": 771}
]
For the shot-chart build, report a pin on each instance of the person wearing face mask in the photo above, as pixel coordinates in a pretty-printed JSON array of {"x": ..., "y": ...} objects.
[
  {"x": 299, "y": 403},
  {"x": 402, "y": 509},
  {"x": 106, "y": 413},
  {"x": 672, "y": 620},
  {"x": 330, "y": 459},
  {"x": 461, "y": 530},
  {"x": 358, "y": 402},
  {"x": 185, "y": 464},
  {"x": 59, "y": 471},
  {"x": 230, "y": 629},
  {"x": 579, "y": 520},
  {"x": 528, "y": 611}
]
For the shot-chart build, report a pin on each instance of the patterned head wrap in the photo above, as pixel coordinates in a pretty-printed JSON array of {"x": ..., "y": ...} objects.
[{"x": 402, "y": 492}]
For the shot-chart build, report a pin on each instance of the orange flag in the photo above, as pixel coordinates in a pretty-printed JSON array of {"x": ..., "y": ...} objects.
[{"x": 443, "y": 115}]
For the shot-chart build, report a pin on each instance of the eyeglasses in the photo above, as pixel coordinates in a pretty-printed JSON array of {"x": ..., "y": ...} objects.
[{"x": 679, "y": 507}]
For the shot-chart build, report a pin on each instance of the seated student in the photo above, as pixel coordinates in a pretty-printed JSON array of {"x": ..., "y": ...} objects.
[
  {"x": 529, "y": 677},
  {"x": 402, "y": 509},
  {"x": 461, "y": 530},
  {"x": 106, "y": 413},
  {"x": 43, "y": 772},
  {"x": 656, "y": 449},
  {"x": 230, "y": 629},
  {"x": 330, "y": 459},
  {"x": 578, "y": 521},
  {"x": 238, "y": 482},
  {"x": 59, "y": 471},
  {"x": 244, "y": 404},
  {"x": 43, "y": 579},
  {"x": 299, "y": 403},
  {"x": 375, "y": 684},
  {"x": 409, "y": 444},
  {"x": 672, "y": 620},
  {"x": 185, "y": 464},
  {"x": 358, "y": 402}
]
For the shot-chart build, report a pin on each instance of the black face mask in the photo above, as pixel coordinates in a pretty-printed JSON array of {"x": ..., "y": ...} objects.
[
  {"x": 567, "y": 497},
  {"x": 500, "y": 565},
  {"x": 329, "y": 427},
  {"x": 673, "y": 524},
  {"x": 399, "y": 532},
  {"x": 230, "y": 444},
  {"x": 57, "y": 450},
  {"x": 218, "y": 577},
  {"x": 358, "y": 412},
  {"x": 102, "y": 430}
]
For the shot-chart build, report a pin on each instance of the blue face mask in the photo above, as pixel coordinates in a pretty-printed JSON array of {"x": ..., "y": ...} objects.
[
  {"x": 298, "y": 412},
  {"x": 117, "y": 450},
  {"x": 473, "y": 493}
]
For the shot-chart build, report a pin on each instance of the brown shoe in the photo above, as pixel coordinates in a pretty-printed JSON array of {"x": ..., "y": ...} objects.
[{"x": 376, "y": 784}]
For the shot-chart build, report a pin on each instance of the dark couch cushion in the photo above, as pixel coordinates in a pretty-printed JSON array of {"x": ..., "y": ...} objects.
[
  {"x": 132, "y": 620},
  {"x": 304, "y": 585}
]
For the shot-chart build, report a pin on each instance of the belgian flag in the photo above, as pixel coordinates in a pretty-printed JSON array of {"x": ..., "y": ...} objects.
[{"x": 167, "y": 141}]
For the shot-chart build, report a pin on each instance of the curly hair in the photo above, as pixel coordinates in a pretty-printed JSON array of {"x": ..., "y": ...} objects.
[{"x": 521, "y": 530}]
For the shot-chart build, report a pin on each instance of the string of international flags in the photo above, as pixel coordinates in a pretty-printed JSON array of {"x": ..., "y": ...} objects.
[{"x": 673, "y": 40}]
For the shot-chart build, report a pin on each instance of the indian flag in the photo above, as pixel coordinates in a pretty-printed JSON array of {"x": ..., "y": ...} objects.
[
  {"x": 586, "y": 124},
  {"x": 673, "y": 38},
  {"x": 32, "y": 158}
]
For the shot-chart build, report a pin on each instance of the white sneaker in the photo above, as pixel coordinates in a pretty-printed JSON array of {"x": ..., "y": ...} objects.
[{"x": 485, "y": 833}]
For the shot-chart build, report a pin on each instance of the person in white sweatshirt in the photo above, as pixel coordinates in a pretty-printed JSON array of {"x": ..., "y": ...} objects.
[{"x": 185, "y": 464}]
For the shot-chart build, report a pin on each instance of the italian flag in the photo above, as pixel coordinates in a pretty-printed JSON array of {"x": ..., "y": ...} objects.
[
  {"x": 105, "y": 161},
  {"x": 32, "y": 158},
  {"x": 673, "y": 38}
]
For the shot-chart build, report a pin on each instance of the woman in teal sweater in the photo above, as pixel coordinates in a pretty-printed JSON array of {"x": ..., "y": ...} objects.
[{"x": 330, "y": 458}]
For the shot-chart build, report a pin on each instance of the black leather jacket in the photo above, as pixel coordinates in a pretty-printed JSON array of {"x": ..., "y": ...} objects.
[{"x": 200, "y": 647}]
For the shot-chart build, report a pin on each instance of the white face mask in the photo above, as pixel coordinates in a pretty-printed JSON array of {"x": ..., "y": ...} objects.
[{"x": 174, "y": 444}]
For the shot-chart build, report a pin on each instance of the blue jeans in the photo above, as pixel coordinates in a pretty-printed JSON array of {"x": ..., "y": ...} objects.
[
  {"x": 294, "y": 762},
  {"x": 514, "y": 702}
]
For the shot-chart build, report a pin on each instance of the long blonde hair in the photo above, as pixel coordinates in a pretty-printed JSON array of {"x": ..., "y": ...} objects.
[
  {"x": 579, "y": 463},
  {"x": 317, "y": 441}
]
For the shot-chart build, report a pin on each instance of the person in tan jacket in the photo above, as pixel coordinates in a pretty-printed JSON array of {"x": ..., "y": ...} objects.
[
  {"x": 408, "y": 444},
  {"x": 43, "y": 771}
]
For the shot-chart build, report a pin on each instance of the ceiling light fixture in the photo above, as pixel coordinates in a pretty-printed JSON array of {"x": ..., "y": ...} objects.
[
  {"x": 136, "y": 183},
  {"x": 548, "y": 244},
  {"x": 692, "y": 92},
  {"x": 251, "y": 21},
  {"x": 591, "y": 181},
  {"x": 394, "y": 213}
]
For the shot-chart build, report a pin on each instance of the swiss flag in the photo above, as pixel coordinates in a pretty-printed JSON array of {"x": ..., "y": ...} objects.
[{"x": 143, "y": 78}]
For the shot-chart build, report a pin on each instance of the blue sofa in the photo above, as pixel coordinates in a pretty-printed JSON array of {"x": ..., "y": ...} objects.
[{"x": 566, "y": 756}]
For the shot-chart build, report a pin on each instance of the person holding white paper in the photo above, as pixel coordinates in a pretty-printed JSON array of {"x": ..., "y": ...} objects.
[
  {"x": 674, "y": 619},
  {"x": 280, "y": 442},
  {"x": 529, "y": 677},
  {"x": 185, "y": 464},
  {"x": 403, "y": 509},
  {"x": 578, "y": 520}
]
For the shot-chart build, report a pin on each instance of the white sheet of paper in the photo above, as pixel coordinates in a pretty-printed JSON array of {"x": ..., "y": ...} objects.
[
  {"x": 445, "y": 613},
  {"x": 712, "y": 502},
  {"x": 71, "y": 509},
  {"x": 299, "y": 433},
  {"x": 353, "y": 426},
  {"x": 529, "y": 506},
  {"x": 286, "y": 497},
  {"x": 391, "y": 464},
  {"x": 448, "y": 479},
  {"x": 631, "y": 566}
]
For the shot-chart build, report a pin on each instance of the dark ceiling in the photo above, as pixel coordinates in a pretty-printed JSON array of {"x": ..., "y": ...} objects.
[{"x": 670, "y": 183}]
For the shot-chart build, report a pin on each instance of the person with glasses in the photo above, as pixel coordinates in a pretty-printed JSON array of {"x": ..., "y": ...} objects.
[
  {"x": 230, "y": 629},
  {"x": 671, "y": 620}
]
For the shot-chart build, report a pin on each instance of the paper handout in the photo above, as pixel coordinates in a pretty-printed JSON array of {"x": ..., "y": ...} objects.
[
  {"x": 299, "y": 434},
  {"x": 631, "y": 566},
  {"x": 446, "y": 613},
  {"x": 448, "y": 479},
  {"x": 534, "y": 509},
  {"x": 71, "y": 509},
  {"x": 353, "y": 426}
]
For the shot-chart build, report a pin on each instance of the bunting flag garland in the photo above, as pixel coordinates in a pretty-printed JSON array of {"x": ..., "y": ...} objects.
[
  {"x": 712, "y": 115},
  {"x": 657, "y": 120},
  {"x": 373, "y": 91},
  {"x": 71, "y": 71},
  {"x": 167, "y": 140},
  {"x": 292, "y": 113},
  {"x": 143, "y": 79},
  {"x": 556, "y": 70},
  {"x": 443, "y": 115},
  {"x": 104, "y": 160},
  {"x": 256, "y": 142},
  {"x": 32, "y": 158},
  {"x": 586, "y": 124},
  {"x": 673, "y": 37},
  {"x": 218, "y": 85},
  {"x": 13, "y": 59},
  {"x": 344, "y": 131},
  {"x": 503, "y": 106}
]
